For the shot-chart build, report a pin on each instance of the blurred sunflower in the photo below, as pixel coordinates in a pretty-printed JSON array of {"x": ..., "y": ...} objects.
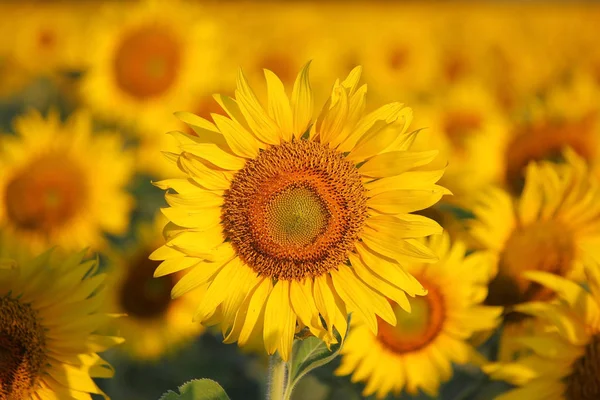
[
  {"x": 47, "y": 38},
  {"x": 53, "y": 192},
  {"x": 467, "y": 126},
  {"x": 48, "y": 323},
  {"x": 548, "y": 228},
  {"x": 154, "y": 323},
  {"x": 419, "y": 351},
  {"x": 562, "y": 362},
  {"x": 274, "y": 203},
  {"x": 147, "y": 59},
  {"x": 569, "y": 116}
]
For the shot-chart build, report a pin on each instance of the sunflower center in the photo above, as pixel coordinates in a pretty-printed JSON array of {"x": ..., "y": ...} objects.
[
  {"x": 295, "y": 211},
  {"x": 22, "y": 344},
  {"x": 416, "y": 329},
  {"x": 142, "y": 295},
  {"x": 459, "y": 125},
  {"x": 45, "y": 195},
  {"x": 584, "y": 382},
  {"x": 546, "y": 141},
  {"x": 147, "y": 61},
  {"x": 398, "y": 58},
  {"x": 542, "y": 246},
  {"x": 296, "y": 216}
]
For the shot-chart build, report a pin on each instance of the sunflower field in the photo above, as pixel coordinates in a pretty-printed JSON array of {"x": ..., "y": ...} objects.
[{"x": 204, "y": 200}]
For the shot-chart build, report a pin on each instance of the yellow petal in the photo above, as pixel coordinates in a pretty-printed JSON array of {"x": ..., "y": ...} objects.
[
  {"x": 304, "y": 306},
  {"x": 325, "y": 302},
  {"x": 279, "y": 105},
  {"x": 196, "y": 277},
  {"x": 257, "y": 303},
  {"x": 207, "y": 132},
  {"x": 360, "y": 299},
  {"x": 385, "y": 288},
  {"x": 404, "y": 226},
  {"x": 280, "y": 321},
  {"x": 334, "y": 119},
  {"x": 390, "y": 271},
  {"x": 199, "y": 219},
  {"x": 406, "y": 201},
  {"x": 396, "y": 162},
  {"x": 224, "y": 284},
  {"x": 302, "y": 102},
  {"x": 239, "y": 139},
  {"x": 406, "y": 180},
  {"x": 369, "y": 124},
  {"x": 174, "y": 265},
  {"x": 376, "y": 141},
  {"x": 259, "y": 121},
  {"x": 203, "y": 174},
  {"x": 215, "y": 155}
]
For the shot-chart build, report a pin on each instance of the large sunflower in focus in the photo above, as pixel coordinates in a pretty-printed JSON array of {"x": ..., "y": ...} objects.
[
  {"x": 48, "y": 322},
  {"x": 548, "y": 228},
  {"x": 61, "y": 185},
  {"x": 419, "y": 351},
  {"x": 154, "y": 323},
  {"x": 562, "y": 360},
  {"x": 146, "y": 61},
  {"x": 275, "y": 202}
]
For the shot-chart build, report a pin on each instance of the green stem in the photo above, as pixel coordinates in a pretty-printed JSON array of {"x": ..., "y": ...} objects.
[{"x": 278, "y": 378}]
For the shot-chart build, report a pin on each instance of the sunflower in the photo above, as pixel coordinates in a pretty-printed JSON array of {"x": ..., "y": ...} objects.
[
  {"x": 548, "y": 228},
  {"x": 47, "y": 38},
  {"x": 468, "y": 126},
  {"x": 568, "y": 116},
  {"x": 418, "y": 352},
  {"x": 61, "y": 185},
  {"x": 148, "y": 57},
  {"x": 562, "y": 359},
  {"x": 48, "y": 322},
  {"x": 275, "y": 203},
  {"x": 153, "y": 323}
]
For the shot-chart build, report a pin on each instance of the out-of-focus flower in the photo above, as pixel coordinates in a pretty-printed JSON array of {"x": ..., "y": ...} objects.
[
  {"x": 49, "y": 321},
  {"x": 468, "y": 127},
  {"x": 48, "y": 38},
  {"x": 548, "y": 228},
  {"x": 275, "y": 202},
  {"x": 154, "y": 323},
  {"x": 61, "y": 184},
  {"x": 562, "y": 358},
  {"x": 147, "y": 61},
  {"x": 419, "y": 351}
]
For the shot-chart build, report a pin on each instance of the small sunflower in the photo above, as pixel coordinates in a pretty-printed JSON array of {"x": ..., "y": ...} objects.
[
  {"x": 275, "y": 203},
  {"x": 568, "y": 116},
  {"x": 468, "y": 126},
  {"x": 61, "y": 183},
  {"x": 148, "y": 57},
  {"x": 48, "y": 322},
  {"x": 548, "y": 228},
  {"x": 419, "y": 351},
  {"x": 153, "y": 323},
  {"x": 47, "y": 38},
  {"x": 563, "y": 356}
]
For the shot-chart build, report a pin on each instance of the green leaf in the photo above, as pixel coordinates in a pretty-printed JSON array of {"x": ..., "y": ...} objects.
[
  {"x": 197, "y": 389},
  {"x": 309, "y": 354}
]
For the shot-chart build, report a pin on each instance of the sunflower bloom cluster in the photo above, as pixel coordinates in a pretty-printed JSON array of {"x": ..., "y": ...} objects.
[{"x": 292, "y": 221}]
